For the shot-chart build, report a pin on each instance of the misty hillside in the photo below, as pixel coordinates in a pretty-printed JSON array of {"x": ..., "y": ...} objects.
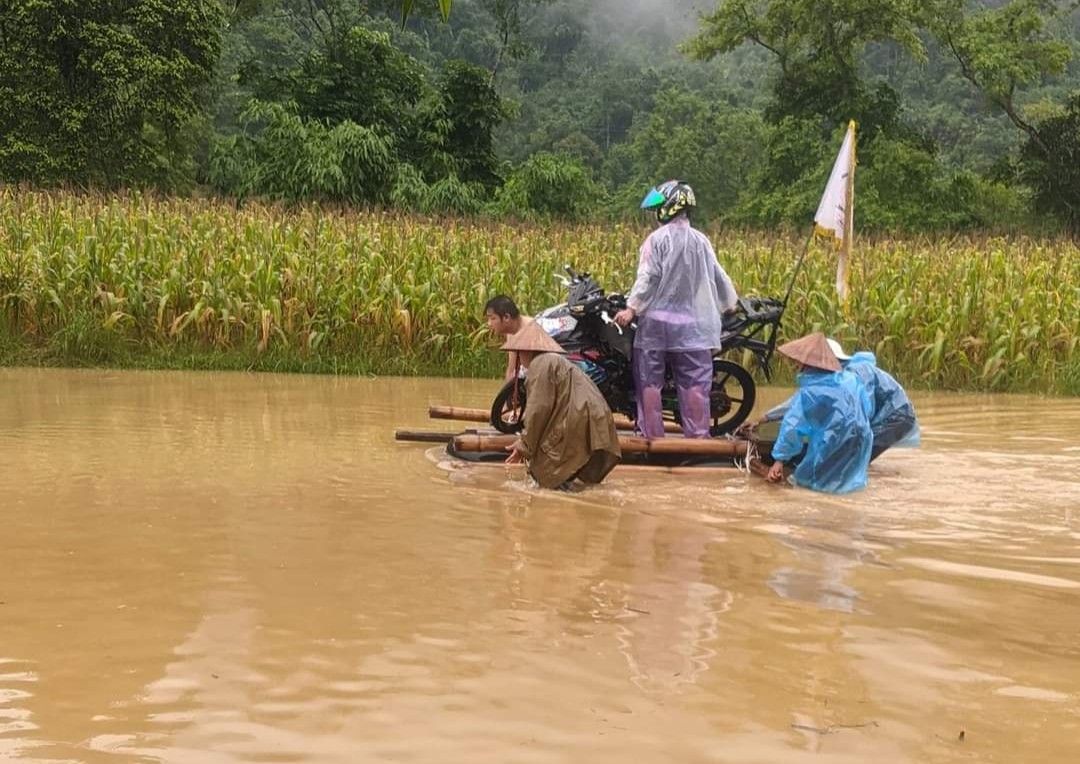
[{"x": 968, "y": 113}]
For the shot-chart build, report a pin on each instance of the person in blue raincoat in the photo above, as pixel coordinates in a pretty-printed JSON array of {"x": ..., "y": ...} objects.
[
  {"x": 825, "y": 434},
  {"x": 892, "y": 419}
]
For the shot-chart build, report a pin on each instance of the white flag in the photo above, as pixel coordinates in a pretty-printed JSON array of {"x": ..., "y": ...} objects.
[{"x": 836, "y": 213}]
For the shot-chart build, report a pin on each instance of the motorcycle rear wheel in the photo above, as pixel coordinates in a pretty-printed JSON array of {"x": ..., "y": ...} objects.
[
  {"x": 508, "y": 408},
  {"x": 733, "y": 396}
]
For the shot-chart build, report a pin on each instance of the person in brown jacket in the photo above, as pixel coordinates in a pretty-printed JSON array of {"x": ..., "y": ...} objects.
[{"x": 569, "y": 431}]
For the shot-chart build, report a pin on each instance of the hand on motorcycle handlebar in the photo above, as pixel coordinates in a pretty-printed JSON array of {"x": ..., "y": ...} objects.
[{"x": 624, "y": 316}]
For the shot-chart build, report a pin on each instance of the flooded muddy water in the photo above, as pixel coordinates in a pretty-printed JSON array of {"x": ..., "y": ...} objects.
[{"x": 247, "y": 568}]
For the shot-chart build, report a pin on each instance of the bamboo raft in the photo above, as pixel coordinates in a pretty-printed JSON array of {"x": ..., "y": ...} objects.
[
  {"x": 480, "y": 415},
  {"x": 675, "y": 455},
  {"x": 485, "y": 443}
]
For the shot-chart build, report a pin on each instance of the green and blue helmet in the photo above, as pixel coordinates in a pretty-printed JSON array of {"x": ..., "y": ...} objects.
[{"x": 669, "y": 200}]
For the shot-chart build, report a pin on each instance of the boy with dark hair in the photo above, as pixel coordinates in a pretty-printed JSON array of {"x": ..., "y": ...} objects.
[
  {"x": 503, "y": 306},
  {"x": 504, "y": 320}
]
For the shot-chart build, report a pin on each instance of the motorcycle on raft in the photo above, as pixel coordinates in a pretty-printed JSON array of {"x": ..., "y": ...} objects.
[{"x": 584, "y": 326}]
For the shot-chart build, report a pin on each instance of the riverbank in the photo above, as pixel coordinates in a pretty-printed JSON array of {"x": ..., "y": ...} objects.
[
  {"x": 143, "y": 282},
  {"x": 81, "y": 352}
]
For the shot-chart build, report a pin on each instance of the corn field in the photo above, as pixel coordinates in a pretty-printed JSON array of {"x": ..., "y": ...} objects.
[{"x": 140, "y": 280}]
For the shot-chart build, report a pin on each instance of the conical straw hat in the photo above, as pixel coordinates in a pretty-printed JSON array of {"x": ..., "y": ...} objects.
[
  {"x": 811, "y": 350},
  {"x": 532, "y": 338}
]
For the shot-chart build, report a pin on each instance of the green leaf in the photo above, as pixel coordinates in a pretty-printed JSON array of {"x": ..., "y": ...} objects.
[
  {"x": 407, "y": 6},
  {"x": 406, "y": 9}
]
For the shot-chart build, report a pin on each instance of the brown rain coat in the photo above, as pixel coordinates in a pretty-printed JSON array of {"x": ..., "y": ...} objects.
[{"x": 569, "y": 431}]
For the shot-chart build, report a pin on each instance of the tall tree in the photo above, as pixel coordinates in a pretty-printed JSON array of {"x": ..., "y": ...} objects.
[
  {"x": 818, "y": 47},
  {"x": 1002, "y": 50},
  {"x": 359, "y": 76},
  {"x": 715, "y": 147},
  {"x": 1051, "y": 165},
  {"x": 100, "y": 91},
  {"x": 511, "y": 17},
  {"x": 464, "y": 121}
]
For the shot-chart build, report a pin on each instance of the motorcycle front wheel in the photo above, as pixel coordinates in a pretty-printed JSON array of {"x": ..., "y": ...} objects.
[
  {"x": 508, "y": 408},
  {"x": 732, "y": 398}
]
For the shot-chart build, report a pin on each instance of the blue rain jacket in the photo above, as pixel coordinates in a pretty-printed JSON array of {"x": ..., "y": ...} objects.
[
  {"x": 889, "y": 399},
  {"x": 829, "y": 415}
]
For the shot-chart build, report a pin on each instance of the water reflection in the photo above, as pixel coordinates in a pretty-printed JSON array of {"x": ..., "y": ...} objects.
[{"x": 825, "y": 552}]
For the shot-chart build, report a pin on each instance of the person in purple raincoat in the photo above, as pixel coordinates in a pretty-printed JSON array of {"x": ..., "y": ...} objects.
[{"x": 679, "y": 299}]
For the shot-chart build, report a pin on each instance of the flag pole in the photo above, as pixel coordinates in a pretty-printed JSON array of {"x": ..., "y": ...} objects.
[
  {"x": 798, "y": 266},
  {"x": 783, "y": 306},
  {"x": 849, "y": 227}
]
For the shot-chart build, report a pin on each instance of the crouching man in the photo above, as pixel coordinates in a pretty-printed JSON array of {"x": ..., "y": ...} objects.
[
  {"x": 825, "y": 434},
  {"x": 893, "y": 419},
  {"x": 569, "y": 431},
  {"x": 892, "y": 416}
]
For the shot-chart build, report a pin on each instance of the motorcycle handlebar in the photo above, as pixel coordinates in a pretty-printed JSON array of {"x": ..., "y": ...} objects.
[
  {"x": 755, "y": 309},
  {"x": 761, "y": 309}
]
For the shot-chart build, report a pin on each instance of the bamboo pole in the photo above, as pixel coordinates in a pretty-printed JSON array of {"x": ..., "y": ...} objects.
[
  {"x": 459, "y": 414},
  {"x": 423, "y": 436},
  {"x": 476, "y": 442},
  {"x": 480, "y": 415}
]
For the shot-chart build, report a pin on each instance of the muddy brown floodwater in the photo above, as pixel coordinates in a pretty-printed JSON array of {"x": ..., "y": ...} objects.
[{"x": 246, "y": 568}]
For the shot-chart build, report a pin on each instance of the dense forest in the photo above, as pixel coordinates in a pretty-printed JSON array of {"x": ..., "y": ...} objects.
[{"x": 968, "y": 111}]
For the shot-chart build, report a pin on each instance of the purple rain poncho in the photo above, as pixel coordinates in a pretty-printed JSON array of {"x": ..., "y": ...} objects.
[{"x": 681, "y": 292}]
